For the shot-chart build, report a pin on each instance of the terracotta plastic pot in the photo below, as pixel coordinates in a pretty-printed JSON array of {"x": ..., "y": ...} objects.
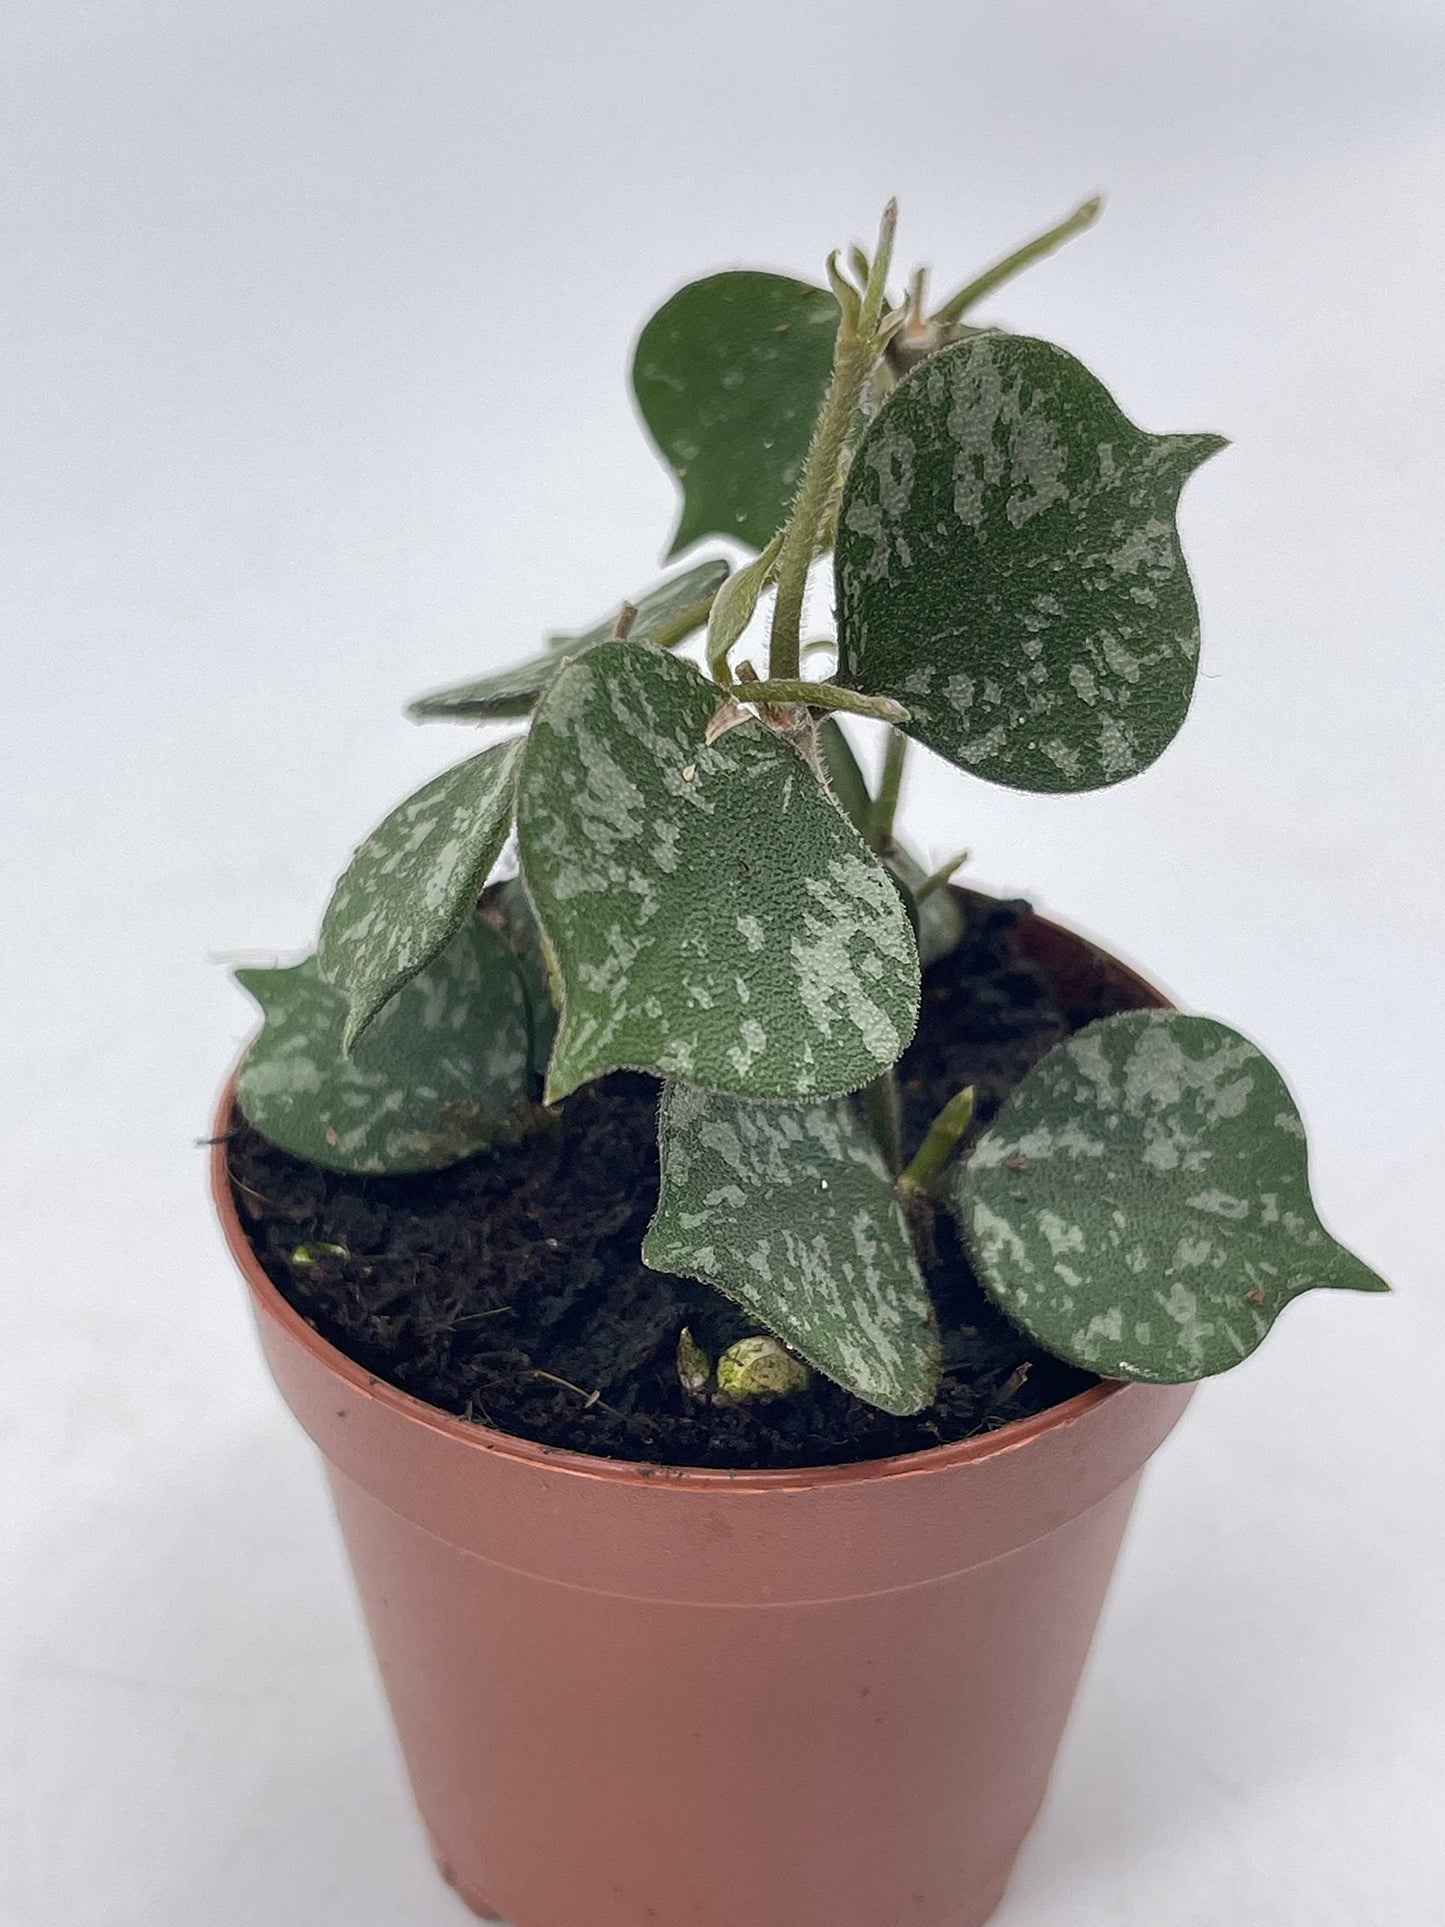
[{"x": 634, "y": 1696}]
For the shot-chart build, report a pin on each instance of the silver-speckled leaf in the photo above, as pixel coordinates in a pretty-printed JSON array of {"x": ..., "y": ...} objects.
[
  {"x": 508, "y": 910},
  {"x": 667, "y": 614},
  {"x": 729, "y": 376},
  {"x": 1141, "y": 1204},
  {"x": 414, "y": 882},
  {"x": 441, "y": 1074},
  {"x": 1008, "y": 566},
  {"x": 710, "y": 912},
  {"x": 938, "y": 920},
  {"x": 789, "y": 1210}
]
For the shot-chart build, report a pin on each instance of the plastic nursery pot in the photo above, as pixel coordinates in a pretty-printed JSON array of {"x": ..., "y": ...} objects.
[{"x": 634, "y": 1696}]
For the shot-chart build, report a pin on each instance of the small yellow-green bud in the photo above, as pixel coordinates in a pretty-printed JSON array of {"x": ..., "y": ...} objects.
[
  {"x": 694, "y": 1367},
  {"x": 759, "y": 1368},
  {"x": 313, "y": 1254}
]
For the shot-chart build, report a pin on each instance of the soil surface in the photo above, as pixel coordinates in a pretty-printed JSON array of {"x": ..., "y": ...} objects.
[{"x": 509, "y": 1289}]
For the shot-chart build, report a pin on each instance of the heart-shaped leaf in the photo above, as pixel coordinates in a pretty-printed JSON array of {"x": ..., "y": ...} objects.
[
  {"x": 790, "y": 1211},
  {"x": 667, "y": 614},
  {"x": 730, "y": 376},
  {"x": 1141, "y": 1203},
  {"x": 441, "y": 1074},
  {"x": 414, "y": 882},
  {"x": 1008, "y": 567},
  {"x": 710, "y": 912}
]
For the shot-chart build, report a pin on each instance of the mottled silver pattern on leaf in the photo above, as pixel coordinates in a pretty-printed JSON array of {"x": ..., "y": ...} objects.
[
  {"x": 440, "y": 1075},
  {"x": 710, "y": 912},
  {"x": 414, "y": 882},
  {"x": 1141, "y": 1203},
  {"x": 790, "y": 1211},
  {"x": 1008, "y": 567},
  {"x": 667, "y": 613}
]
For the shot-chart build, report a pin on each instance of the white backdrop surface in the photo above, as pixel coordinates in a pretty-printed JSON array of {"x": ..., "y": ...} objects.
[{"x": 315, "y": 320}]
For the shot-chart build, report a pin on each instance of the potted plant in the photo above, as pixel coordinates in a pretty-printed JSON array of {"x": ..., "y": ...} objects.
[{"x": 735, "y": 1277}]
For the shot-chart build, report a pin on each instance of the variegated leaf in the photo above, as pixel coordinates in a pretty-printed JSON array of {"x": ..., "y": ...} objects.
[
  {"x": 414, "y": 882},
  {"x": 441, "y": 1074},
  {"x": 937, "y": 921},
  {"x": 789, "y": 1210},
  {"x": 710, "y": 913},
  {"x": 667, "y": 614},
  {"x": 1141, "y": 1203},
  {"x": 1008, "y": 567},
  {"x": 730, "y": 375},
  {"x": 508, "y": 910}
]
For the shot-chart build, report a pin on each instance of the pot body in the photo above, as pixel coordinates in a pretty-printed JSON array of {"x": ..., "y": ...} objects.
[{"x": 634, "y": 1696}]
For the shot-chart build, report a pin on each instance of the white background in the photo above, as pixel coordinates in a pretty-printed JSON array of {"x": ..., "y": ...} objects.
[{"x": 315, "y": 321}]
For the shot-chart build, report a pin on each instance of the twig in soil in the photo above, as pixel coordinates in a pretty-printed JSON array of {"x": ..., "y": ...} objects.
[
  {"x": 1011, "y": 1384},
  {"x": 589, "y": 1399}
]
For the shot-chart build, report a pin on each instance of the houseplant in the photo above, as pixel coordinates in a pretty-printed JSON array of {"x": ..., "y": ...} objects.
[{"x": 824, "y": 1680}]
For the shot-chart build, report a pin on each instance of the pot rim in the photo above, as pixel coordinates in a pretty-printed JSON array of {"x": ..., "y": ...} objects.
[{"x": 639, "y": 1472}]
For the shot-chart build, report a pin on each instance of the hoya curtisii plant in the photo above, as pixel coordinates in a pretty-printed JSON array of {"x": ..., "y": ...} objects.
[{"x": 710, "y": 891}]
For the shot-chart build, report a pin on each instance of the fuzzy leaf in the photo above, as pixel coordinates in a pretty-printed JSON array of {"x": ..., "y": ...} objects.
[
  {"x": 845, "y": 775},
  {"x": 414, "y": 882},
  {"x": 1009, "y": 568},
  {"x": 508, "y": 910},
  {"x": 1141, "y": 1203},
  {"x": 440, "y": 1075},
  {"x": 709, "y": 911},
  {"x": 730, "y": 376},
  {"x": 667, "y": 614},
  {"x": 789, "y": 1210},
  {"x": 735, "y": 603}
]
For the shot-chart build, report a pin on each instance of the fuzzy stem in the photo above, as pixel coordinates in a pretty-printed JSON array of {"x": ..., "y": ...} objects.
[
  {"x": 822, "y": 695},
  {"x": 957, "y": 305},
  {"x": 890, "y": 783},
  {"x": 856, "y": 352},
  {"x": 936, "y": 1153}
]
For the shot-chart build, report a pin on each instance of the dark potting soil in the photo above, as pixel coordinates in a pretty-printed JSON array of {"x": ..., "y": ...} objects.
[{"x": 509, "y": 1289}]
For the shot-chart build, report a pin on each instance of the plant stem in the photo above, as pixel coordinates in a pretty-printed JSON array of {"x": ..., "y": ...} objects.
[
  {"x": 890, "y": 783},
  {"x": 885, "y": 1118},
  {"x": 822, "y": 695},
  {"x": 957, "y": 305},
  {"x": 937, "y": 878},
  {"x": 857, "y": 350},
  {"x": 937, "y": 1150}
]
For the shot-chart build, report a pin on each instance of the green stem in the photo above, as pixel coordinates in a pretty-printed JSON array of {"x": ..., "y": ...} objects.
[
  {"x": 890, "y": 783},
  {"x": 957, "y": 305},
  {"x": 924, "y": 1175},
  {"x": 885, "y": 1118},
  {"x": 858, "y": 348},
  {"x": 937, "y": 878},
  {"x": 822, "y": 695}
]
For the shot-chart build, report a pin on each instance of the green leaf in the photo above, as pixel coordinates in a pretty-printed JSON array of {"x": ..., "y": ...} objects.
[
  {"x": 667, "y": 614},
  {"x": 1008, "y": 566},
  {"x": 709, "y": 912},
  {"x": 845, "y": 775},
  {"x": 730, "y": 376},
  {"x": 508, "y": 910},
  {"x": 1141, "y": 1203},
  {"x": 440, "y": 1075},
  {"x": 414, "y": 882},
  {"x": 790, "y": 1211},
  {"x": 735, "y": 603},
  {"x": 937, "y": 921}
]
